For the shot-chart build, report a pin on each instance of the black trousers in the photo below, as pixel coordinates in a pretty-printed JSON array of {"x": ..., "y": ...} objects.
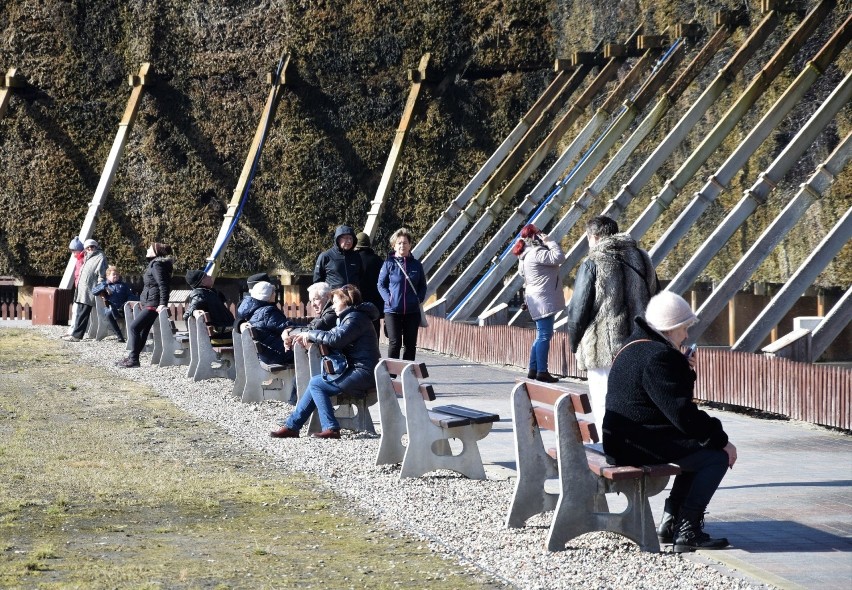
[
  {"x": 113, "y": 322},
  {"x": 402, "y": 334},
  {"x": 138, "y": 330},
  {"x": 702, "y": 472},
  {"x": 81, "y": 322}
]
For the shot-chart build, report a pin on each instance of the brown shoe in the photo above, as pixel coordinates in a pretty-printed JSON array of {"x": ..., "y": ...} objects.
[
  {"x": 326, "y": 434},
  {"x": 284, "y": 432}
]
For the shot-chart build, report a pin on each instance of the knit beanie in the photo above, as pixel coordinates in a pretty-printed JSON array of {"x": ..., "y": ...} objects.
[
  {"x": 91, "y": 242},
  {"x": 362, "y": 240},
  {"x": 667, "y": 310},
  {"x": 263, "y": 291},
  {"x": 194, "y": 277},
  {"x": 76, "y": 245}
]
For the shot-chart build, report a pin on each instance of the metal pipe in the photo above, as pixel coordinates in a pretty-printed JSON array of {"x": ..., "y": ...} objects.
[
  {"x": 726, "y": 124},
  {"x": 718, "y": 182},
  {"x": 766, "y": 182},
  {"x": 810, "y": 192}
]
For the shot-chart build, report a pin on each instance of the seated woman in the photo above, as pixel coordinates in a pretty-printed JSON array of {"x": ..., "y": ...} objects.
[
  {"x": 651, "y": 418},
  {"x": 353, "y": 336},
  {"x": 268, "y": 324}
]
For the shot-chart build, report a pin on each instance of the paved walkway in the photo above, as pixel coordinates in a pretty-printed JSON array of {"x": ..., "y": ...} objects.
[{"x": 786, "y": 506}]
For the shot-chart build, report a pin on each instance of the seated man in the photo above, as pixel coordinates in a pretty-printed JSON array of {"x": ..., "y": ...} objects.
[
  {"x": 268, "y": 324},
  {"x": 651, "y": 418},
  {"x": 115, "y": 293},
  {"x": 205, "y": 298}
]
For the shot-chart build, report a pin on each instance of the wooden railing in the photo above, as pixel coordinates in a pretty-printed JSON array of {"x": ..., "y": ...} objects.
[{"x": 15, "y": 311}]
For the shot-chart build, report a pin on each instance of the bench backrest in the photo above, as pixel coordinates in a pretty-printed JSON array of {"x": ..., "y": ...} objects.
[
  {"x": 544, "y": 397},
  {"x": 395, "y": 367},
  {"x": 217, "y": 339}
]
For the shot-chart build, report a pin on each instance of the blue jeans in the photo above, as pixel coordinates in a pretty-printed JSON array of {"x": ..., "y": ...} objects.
[
  {"x": 541, "y": 346},
  {"x": 318, "y": 395}
]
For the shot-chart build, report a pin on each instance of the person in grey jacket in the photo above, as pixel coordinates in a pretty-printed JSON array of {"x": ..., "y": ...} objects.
[
  {"x": 355, "y": 338},
  {"x": 539, "y": 259},
  {"x": 613, "y": 286},
  {"x": 92, "y": 273}
]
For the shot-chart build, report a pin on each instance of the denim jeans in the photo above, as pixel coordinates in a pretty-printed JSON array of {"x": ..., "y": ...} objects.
[
  {"x": 541, "y": 346},
  {"x": 317, "y": 395},
  {"x": 702, "y": 472}
]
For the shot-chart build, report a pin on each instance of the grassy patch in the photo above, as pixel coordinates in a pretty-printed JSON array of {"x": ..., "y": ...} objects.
[{"x": 103, "y": 484}]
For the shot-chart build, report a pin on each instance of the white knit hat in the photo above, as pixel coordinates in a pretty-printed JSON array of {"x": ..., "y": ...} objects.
[
  {"x": 262, "y": 291},
  {"x": 92, "y": 243},
  {"x": 667, "y": 310}
]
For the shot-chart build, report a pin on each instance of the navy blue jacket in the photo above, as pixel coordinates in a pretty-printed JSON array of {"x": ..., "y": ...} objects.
[
  {"x": 398, "y": 295},
  {"x": 268, "y": 323},
  {"x": 355, "y": 337}
]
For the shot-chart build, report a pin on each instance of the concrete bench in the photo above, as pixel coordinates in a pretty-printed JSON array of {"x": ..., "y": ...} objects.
[
  {"x": 429, "y": 430},
  {"x": 583, "y": 473},
  {"x": 98, "y": 324},
  {"x": 171, "y": 346},
  {"x": 258, "y": 381},
  {"x": 210, "y": 355},
  {"x": 351, "y": 411}
]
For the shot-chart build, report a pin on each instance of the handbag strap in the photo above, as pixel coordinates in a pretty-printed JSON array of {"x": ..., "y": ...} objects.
[
  {"x": 405, "y": 274},
  {"x": 628, "y": 344}
]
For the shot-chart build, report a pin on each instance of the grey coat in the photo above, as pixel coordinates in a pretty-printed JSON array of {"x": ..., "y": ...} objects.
[
  {"x": 539, "y": 265},
  {"x": 92, "y": 273}
]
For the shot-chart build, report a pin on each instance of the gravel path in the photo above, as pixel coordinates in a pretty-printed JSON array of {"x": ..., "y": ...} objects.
[{"x": 460, "y": 518}]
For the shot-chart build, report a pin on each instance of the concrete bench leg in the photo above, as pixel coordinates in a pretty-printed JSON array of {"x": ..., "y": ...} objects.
[
  {"x": 239, "y": 365},
  {"x": 391, "y": 449},
  {"x": 192, "y": 367},
  {"x": 421, "y": 456}
]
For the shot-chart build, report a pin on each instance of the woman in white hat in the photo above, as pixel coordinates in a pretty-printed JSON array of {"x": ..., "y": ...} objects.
[{"x": 651, "y": 418}]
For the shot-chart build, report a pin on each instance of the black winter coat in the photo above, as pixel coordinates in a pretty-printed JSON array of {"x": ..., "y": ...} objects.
[
  {"x": 211, "y": 301},
  {"x": 327, "y": 318},
  {"x": 371, "y": 266},
  {"x": 156, "y": 282},
  {"x": 355, "y": 337},
  {"x": 650, "y": 416},
  {"x": 339, "y": 267}
]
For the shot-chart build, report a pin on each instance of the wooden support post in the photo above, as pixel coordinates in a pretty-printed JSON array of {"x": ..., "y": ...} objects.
[
  {"x": 412, "y": 107},
  {"x": 277, "y": 80},
  {"x": 138, "y": 83},
  {"x": 7, "y": 84}
]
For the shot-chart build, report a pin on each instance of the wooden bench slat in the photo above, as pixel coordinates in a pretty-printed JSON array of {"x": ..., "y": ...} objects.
[
  {"x": 448, "y": 421},
  {"x": 475, "y": 416},
  {"x": 395, "y": 367},
  {"x": 545, "y": 418}
]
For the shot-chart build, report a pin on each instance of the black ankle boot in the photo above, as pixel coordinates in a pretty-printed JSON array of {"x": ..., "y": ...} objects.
[
  {"x": 545, "y": 377},
  {"x": 665, "y": 532},
  {"x": 531, "y": 374},
  {"x": 690, "y": 536}
]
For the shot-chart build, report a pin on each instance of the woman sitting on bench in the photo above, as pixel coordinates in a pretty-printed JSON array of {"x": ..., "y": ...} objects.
[
  {"x": 355, "y": 338},
  {"x": 651, "y": 418}
]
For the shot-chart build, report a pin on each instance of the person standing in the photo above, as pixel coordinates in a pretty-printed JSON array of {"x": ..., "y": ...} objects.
[
  {"x": 339, "y": 265},
  {"x": 371, "y": 266},
  {"x": 402, "y": 284},
  {"x": 539, "y": 259},
  {"x": 92, "y": 273},
  {"x": 612, "y": 287},
  {"x": 651, "y": 417},
  {"x": 156, "y": 287},
  {"x": 79, "y": 253}
]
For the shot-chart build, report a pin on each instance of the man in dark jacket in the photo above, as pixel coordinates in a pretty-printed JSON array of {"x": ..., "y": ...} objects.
[
  {"x": 205, "y": 298},
  {"x": 371, "y": 266},
  {"x": 613, "y": 286},
  {"x": 339, "y": 265},
  {"x": 651, "y": 418}
]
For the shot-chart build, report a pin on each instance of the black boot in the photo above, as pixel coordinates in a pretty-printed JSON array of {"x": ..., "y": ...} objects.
[
  {"x": 531, "y": 374},
  {"x": 665, "y": 532},
  {"x": 545, "y": 377},
  {"x": 690, "y": 535}
]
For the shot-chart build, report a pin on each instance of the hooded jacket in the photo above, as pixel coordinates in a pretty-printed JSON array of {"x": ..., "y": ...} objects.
[
  {"x": 371, "y": 267},
  {"x": 396, "y": 292},
  {"x": 92, "y": 272},
  {"x": 613, "y": 286},
  {"x": 268, "y": 323},
  {"x": 157, "y": 281},
  {"x": 539, "y": 264},
  {"x": 650, "y": 414},
  {"x": 355, "y": 337},
  {"x": 339, "y": 267}
]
